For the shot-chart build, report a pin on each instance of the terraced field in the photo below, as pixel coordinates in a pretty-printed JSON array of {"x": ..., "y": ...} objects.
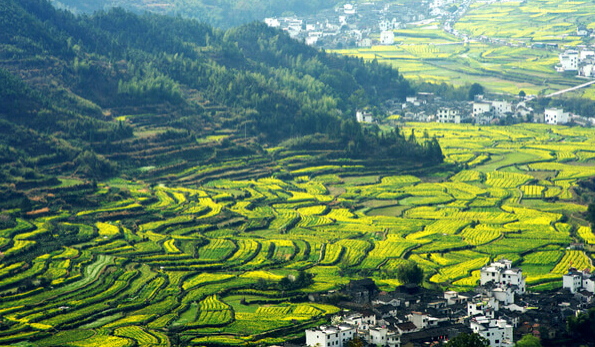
[
  {"x": 492, "y": 45},
  {"x": 201, "y": 257}
]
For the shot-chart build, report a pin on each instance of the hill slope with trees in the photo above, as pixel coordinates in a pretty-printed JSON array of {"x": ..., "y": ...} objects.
[
  {"x": 97, "y": 95},
  {"x": 220, "y": 13}
]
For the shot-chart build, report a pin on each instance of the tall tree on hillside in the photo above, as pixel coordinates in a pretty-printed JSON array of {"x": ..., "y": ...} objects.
[
  {"x": 475, "y": 89},
  {"x": 590, "y": 216},
  {"x": 410, "y": 273},
  {"x": 434, "y": 150}
]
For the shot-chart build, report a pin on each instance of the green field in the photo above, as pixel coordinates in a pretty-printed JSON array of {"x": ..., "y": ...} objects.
[
  {"x": 203, "y": 259},
  {"x": 499, "y": 51}
]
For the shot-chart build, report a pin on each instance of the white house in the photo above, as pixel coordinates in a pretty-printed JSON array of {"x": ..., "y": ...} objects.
[
  {"x": 419, "y": 319},
  {"x": 573, "y": 280},
  {"x": 364, "y": 324},
  {"x": 569, "y": 60},
  {"x": 503, "y": 294},
  {"x": 330, "y": 336},
  {"x": 365, "y": 43},
  {"x": 482, "y": 306},
  {"x": 581, "y": 30},
  {"x": 422, "y": 320},
  {"x": 586, "y": 55},
  {"x": 377, "y": 336},
  {"x": 576, "y": 280},
  {"x": 522, "y": 109},
  {"x": 311, "y": 40},
  {"x": 502, "y": 274},
  {"x": 481, "y": 108},
  {"x": 497, "y": 331},
  {"x": 380, "y": 336},
  {"x": 385, "y": 25},
  {"x": 348, "y": 9},
  {"x": 586, "y": 64},
  {"x": 515, "y": 308},
  {"x": 453, "y": 298},
  {"x": 364, "y": 117},
  {"x": 362, "y": 321},
  {"x": 555, "y": 116},
  {"x": 294, "y": 29},
  {"x": 272, "y": 22},
  {"x": 393, "y": 339},
  {"x": 502, "y": 107},
  {"x": 387, "y": 37},
  {"x": 385, "y": 299},
  {"x": 448, "y": 115},
  {"x": 587, "y": 68}
]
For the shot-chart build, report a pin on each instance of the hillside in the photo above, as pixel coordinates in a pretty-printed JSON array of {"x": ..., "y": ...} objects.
[
  {"x": 183, "y": 261},
  {"x": 115, "y": 91},
  {"x": 165, "y": 183},
  {"x": 508, "y": 46},
  {"x": 220, "y": 13}
]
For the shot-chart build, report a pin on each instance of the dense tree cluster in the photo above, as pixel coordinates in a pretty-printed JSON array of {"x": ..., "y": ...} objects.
[
  {"x": 475, "y": 89},
  {"x": 468, "y": 340},
  {"x": 582, "y": 327},
  {"x": 528, "y": 341},
  {"x": 446, "y": 91},
  {"x": 410, "y": 273},
  {"x": 252, "y": 80},
  {"x": 220, "y": 13}
]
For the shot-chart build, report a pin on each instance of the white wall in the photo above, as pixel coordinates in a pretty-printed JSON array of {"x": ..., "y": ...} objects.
[{"x": 387, "y": 38}]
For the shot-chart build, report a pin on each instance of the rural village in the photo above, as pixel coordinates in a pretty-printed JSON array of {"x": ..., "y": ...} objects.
[
  {"x": 373, "y": 23},
  {"x": 499, "y": 309},
  {"x": 426, "y": 107},
  {"x": 365, "y": 24},
  {"x": 323, "y": 174}
]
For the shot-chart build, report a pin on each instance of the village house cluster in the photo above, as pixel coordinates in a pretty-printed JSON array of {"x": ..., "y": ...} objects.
[
  {"x": 580, "y": 61},
  {"x": 579, "y": 282},
  {"x": 360, "y": 24},
  {"x": 425, "y": 107},
  {"x": 373, "y": 23},
  {"x": 499, "y": 309}
]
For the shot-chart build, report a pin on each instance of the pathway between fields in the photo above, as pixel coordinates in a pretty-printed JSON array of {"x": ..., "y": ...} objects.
[{"x": 570, "y": 89}]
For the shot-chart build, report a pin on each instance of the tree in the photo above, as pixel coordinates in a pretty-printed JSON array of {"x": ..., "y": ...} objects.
[
  {"x": 412, "y": 138},
  {"x": 582, "y": 327},
  {"x": 434, "y": 152},
  {"x": 26, "y": 205},
  {"x": 522, "y": 94},
  {"x": 528, "y": 341},
  {"x": 285, "y": 283},
  {"x": 475, "y": 89},
  {"x": 468, "y": 340},
  {"x": 590, "y": 217},
  {"x": 355, "y": 342},
  {"x": 410, "y": 273}
]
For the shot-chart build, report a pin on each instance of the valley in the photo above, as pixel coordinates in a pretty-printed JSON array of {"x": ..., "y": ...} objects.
[{"x": 204, "y": 256}]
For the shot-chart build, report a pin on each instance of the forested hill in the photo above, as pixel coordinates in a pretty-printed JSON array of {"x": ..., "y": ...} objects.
[
  {"x": 92, "y": 95},
  {"x": 220, "y": 13}
]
